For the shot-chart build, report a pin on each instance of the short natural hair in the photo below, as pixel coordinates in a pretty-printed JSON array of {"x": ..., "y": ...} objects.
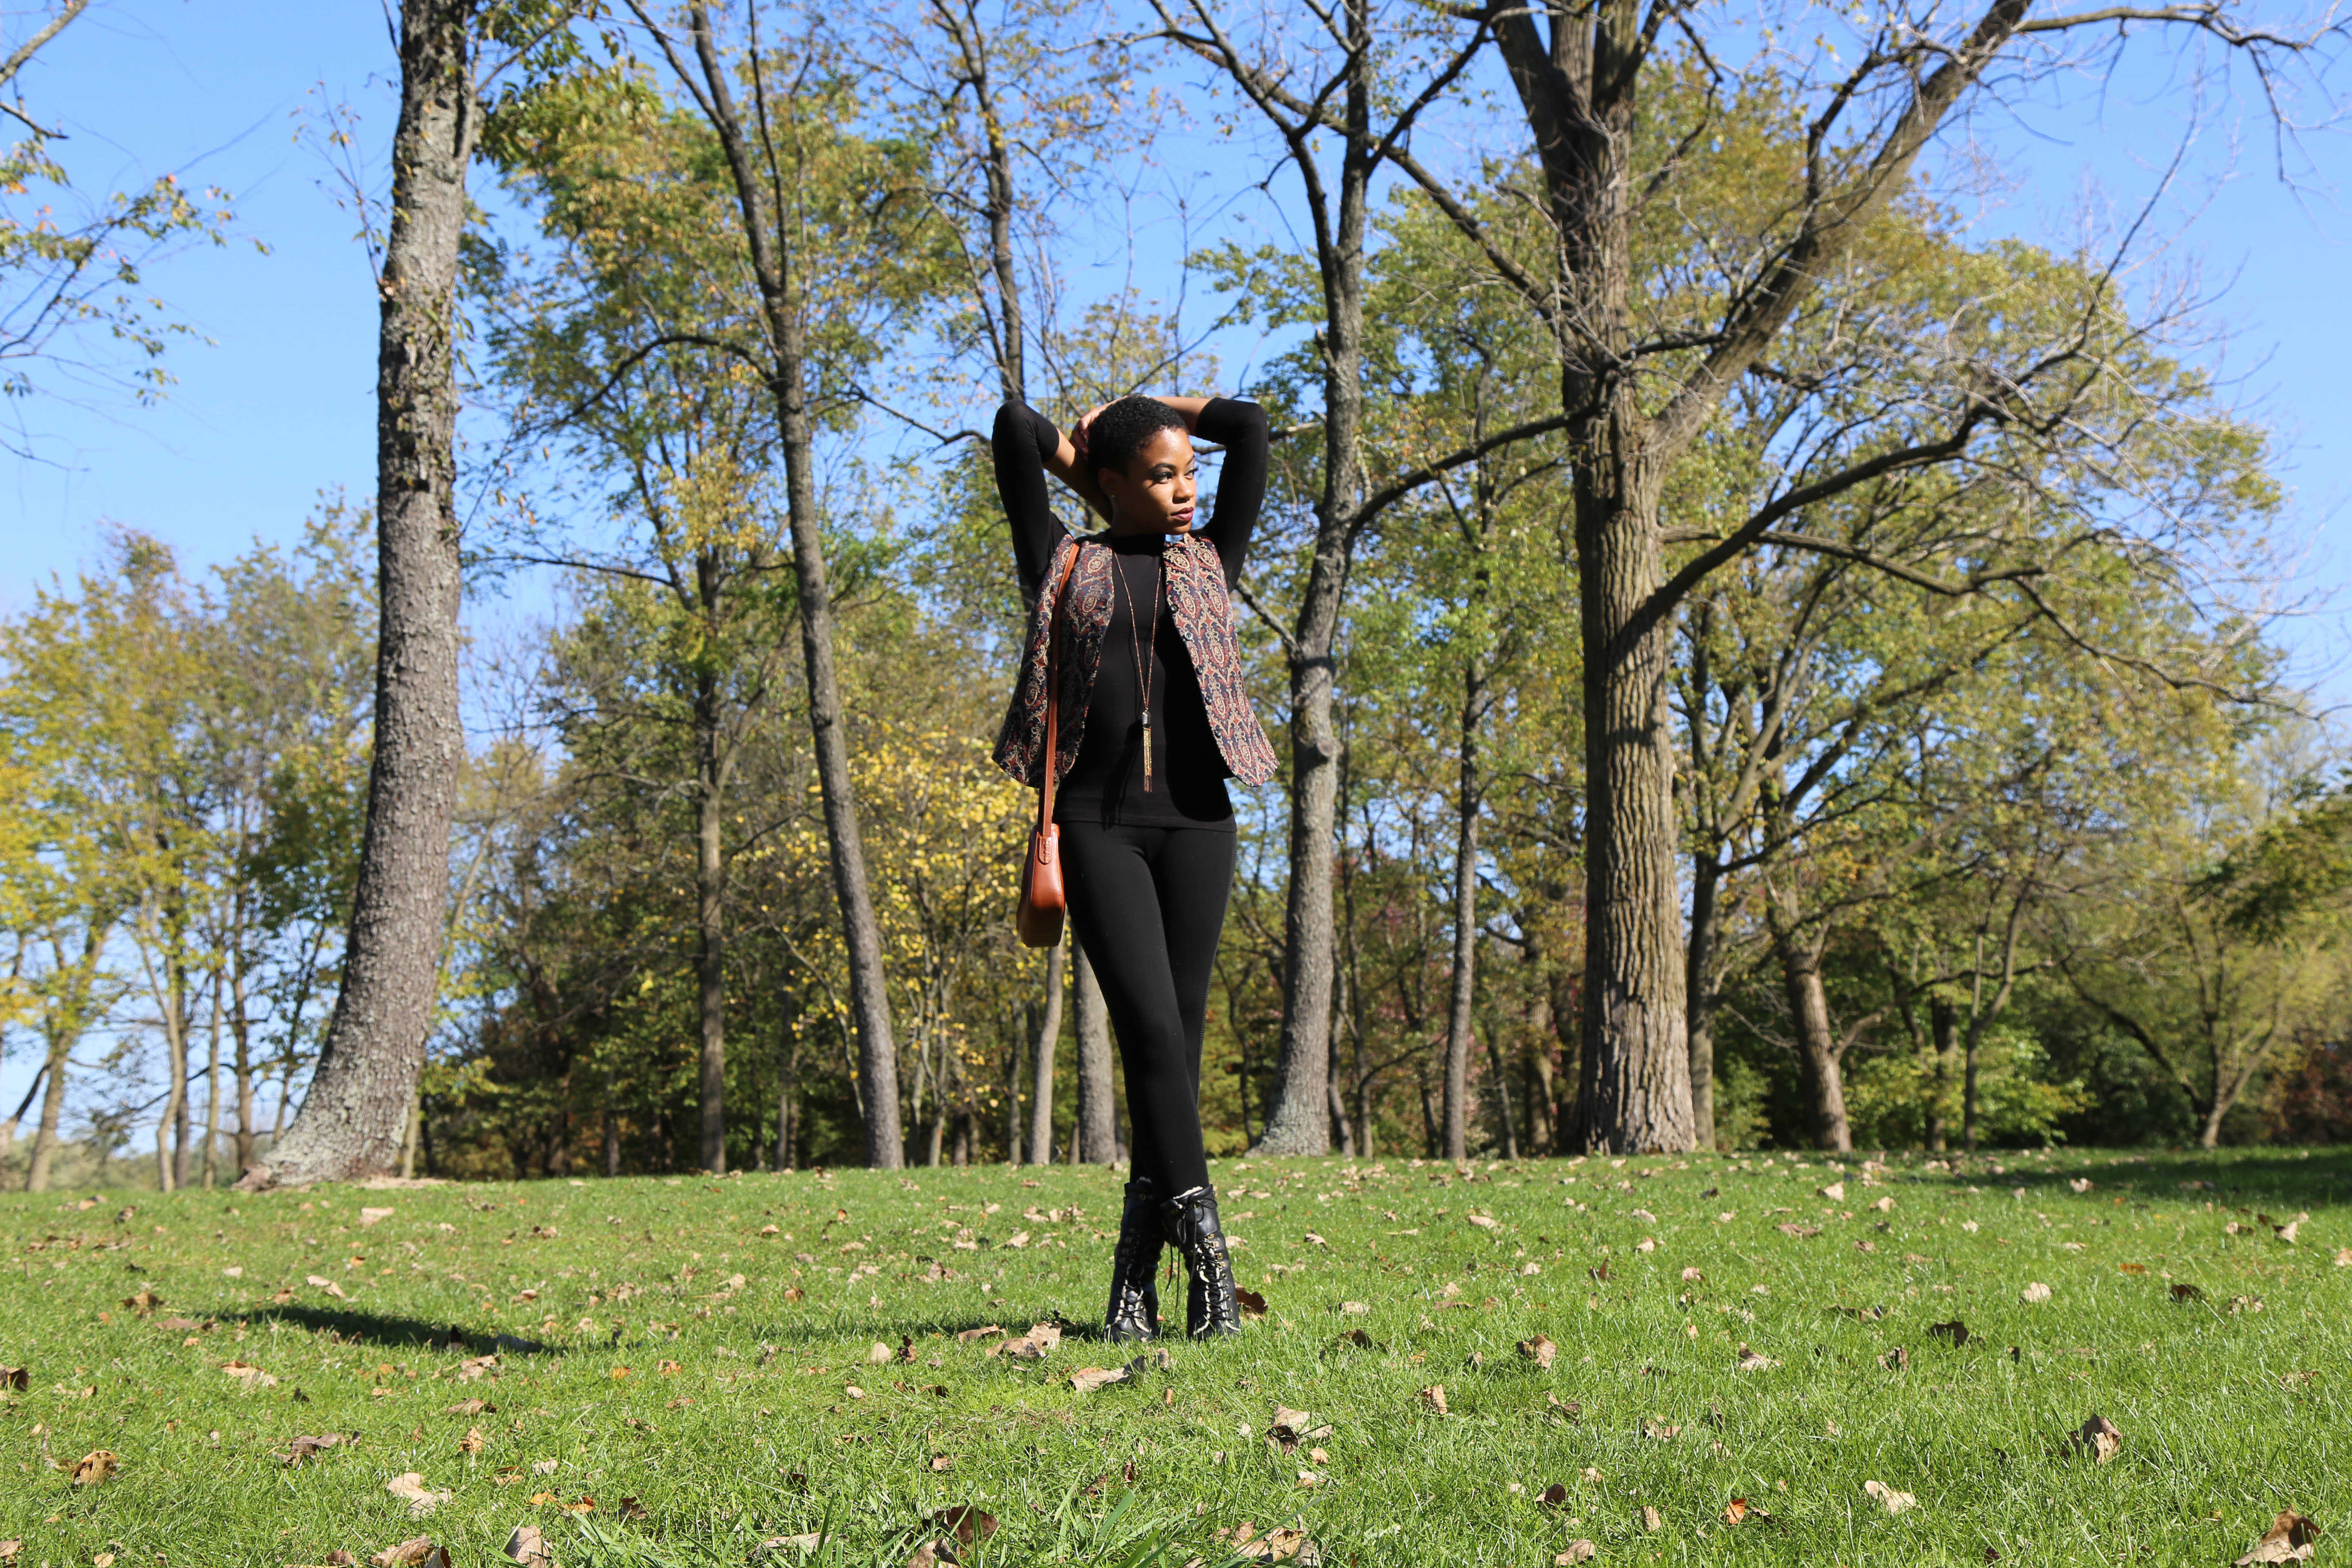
[{"x": 1120, "y": 430}]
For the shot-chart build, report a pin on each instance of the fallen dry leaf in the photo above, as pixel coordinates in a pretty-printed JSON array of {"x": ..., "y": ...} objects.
[
  {"x": 986, "y": 1332},
  {"x": 1252, "y": 1305},
  {"x": 1739, "y": 1511},
  {"x": 1434, "y": 1398},
  {"x": 95, "y": 1467},
  {"x": 2097, "y": 1437},
  {"x": 16, "y": 1377},
  {"x": 1649, "y": 1518},
  {"x": 143, "y": 1302},
  {"x": 1554, "y": 1496},
  {"x": 1277, "y": 1546},
  {"x": 1694, "y": 1276},
  {"x": 468, "y": 1407},
  {"x": 1888, "y": 1497},
  {"x": 877, "y": 1356},
  {"x": 9, "y": 1549},
  {"x": 2185, "y": 1292},
  {"x": 966, "y": 1523},
  {"x": 1034, "y": 1346},
  {"x": 528, "y": 1547},
  {"x": 2288, "y": 1540},
  {"x": 1834, "y": 1191},
  {"x": 1956, "y": 1331},
  {"x": 1086, "y": 1379},
  {"x": 1895, "y": 1360},
  {"x": 419, "y": 1552},
  {"x": 2344, "y": 1257},
  {"x": 252, "y": 1377},
  {"x": 410, "y": 1488},
  {"x": 1660, "y": 1432},
  {"x": 803, "y": 1543},
  {"x": 1579, "y": 1551},
  {"x": 301, "y": 1449},
  {"x": 370, "y": 1216},
  {"x": 1755, "y": 1360},
  {"x": 473, "y": 1442},
  {"x": 1540, "y": 1349},
  {"x": 2037, "y": 1291}
]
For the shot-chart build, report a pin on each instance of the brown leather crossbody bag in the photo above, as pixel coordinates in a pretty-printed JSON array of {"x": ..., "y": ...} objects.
[{"x": 1044, "y": 899}]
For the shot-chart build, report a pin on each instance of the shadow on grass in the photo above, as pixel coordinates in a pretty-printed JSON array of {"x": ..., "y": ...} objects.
[
  {"x": 2309, "y": 1179},
  {"x": 356, "y": 1326}
]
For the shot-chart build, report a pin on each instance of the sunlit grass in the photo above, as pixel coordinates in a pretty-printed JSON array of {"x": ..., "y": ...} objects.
[{"x": 681, "y": 1356}]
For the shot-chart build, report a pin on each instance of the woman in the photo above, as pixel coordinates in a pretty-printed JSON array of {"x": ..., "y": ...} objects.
[{"x": 1153, "y": 721}]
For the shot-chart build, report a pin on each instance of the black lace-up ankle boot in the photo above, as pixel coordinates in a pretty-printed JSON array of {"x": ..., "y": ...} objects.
[
  {"x": 1134, "y": 1310},
  {"x": 1189, "y": 1221}
]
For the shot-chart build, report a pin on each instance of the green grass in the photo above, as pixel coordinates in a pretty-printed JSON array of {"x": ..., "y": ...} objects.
[{"x": 2229, "y": 1413}]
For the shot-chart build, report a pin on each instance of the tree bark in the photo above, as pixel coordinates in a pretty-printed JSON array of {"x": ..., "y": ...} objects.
[
  {"x": 773, "y": 262},
  {"x": 352, "y": 1117},
  {"x": 1049, "y": 1034},
  {"x": 710, "y": 924},
  {"x": 1095, "y": 1130},
  {"x": 53, "y": 1105},
  {"x": 1700, "y": 980},
  {"x": 240, "y": 1025},
  {"x": 1634, "y": 1095},
  {"x": 213, "y": 1087},
  {"x": 1817, "y": 1043},
  {"x": 1941, "y": 1018},
  {"x": 1297, "y": 1115},
  {"x": 1466, "y": 917}
]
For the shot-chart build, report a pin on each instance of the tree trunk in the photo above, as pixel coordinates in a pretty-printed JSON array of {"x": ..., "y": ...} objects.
[
  {"x": 414, "y": 1132},
  {"x": 1635, "y": 1094},
  {"x": 1941, "y": 1018},
  {"x": 1817, "y": 1046},
  {"x": 1297, "y": 1116},
  {"x": 1504, "y": 1117},
  {"x": 1699, "y": 983},
  {"x": 1041, "y": 1094},
  {"x": 766, "y": 237},
  {"x": 352, "y": 1117},
  {"x": 53, "y": 1105},
  {"x": 710, "y": 926},
  {"x": 1465, "y": 920},
  {"x": 1096, "y": 1130},
  {"x": 788, "y": 1097},
  {"x": 1969, "y": 1091},
  {"x": 240, "y": 1025},
  {"x": 212, "y": 1089}
]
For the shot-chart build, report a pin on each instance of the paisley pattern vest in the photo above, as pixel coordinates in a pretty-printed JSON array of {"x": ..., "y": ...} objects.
[{"x": 1204, "y": 612}]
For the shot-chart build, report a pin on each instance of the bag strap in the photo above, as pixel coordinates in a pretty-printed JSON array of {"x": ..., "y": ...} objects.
[{"x": 1054, "y": 690}]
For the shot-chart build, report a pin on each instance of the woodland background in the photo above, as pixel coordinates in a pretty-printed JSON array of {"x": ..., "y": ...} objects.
[{"x": 2001, "y": 814}]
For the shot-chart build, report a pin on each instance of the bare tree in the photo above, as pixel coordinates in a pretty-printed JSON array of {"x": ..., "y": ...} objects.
[
  {"x": 761, "y": 162},
  {"x": 1349, "y": 109},
  {"x": 355, "y": 1114}
]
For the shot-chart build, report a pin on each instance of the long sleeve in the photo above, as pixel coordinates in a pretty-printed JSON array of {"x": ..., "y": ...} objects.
[
  {"x": 1021, "y": 442},
  {"x": 1241, "y": 429}
]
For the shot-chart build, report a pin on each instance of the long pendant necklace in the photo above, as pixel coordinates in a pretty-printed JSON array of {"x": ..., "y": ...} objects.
[{"x": 1143, "y": 660}]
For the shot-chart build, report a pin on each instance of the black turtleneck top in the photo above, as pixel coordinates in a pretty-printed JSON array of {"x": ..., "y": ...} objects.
[{"x": 1105, "y": 784}]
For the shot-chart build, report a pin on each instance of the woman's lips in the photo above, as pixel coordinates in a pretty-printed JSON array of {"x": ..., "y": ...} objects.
[{"x": 1183, "y": 515}]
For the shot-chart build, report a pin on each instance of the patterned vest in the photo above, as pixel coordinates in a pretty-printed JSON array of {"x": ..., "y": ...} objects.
[{"x": 1204, "y": 612}]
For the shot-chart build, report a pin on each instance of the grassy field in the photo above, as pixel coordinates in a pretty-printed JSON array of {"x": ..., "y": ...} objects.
[{"x": 682, "y": 1366}]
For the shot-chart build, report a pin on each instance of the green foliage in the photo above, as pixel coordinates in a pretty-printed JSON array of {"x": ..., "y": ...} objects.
[{"x": 2018, "y": 1103}]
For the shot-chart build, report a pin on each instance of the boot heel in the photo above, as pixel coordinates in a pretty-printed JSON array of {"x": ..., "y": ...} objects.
[
  {"x": 1134, "y": 1310},
  {"x": 1188, "y": 1222}
]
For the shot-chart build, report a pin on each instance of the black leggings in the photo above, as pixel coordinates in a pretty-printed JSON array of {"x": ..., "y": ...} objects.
[{"x": 1147, "y": 904}]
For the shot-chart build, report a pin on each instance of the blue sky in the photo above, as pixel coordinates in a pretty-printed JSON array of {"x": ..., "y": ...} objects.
[{"x": 280, "y": 407}]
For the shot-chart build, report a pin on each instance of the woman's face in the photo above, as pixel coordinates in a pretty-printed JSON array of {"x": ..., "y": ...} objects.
[{"x": 1157, "y": 491}]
